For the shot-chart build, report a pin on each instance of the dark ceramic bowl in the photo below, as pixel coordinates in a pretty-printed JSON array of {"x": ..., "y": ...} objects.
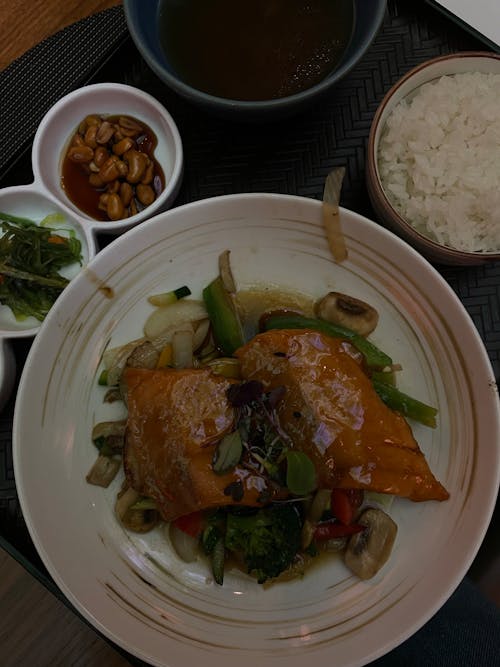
[{"x": 142, "y": 21}]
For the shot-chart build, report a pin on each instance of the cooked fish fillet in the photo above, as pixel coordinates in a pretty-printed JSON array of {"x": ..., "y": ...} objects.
[
  {"x": 333, "y": 414},
  {"x": 175, "y": 417}
]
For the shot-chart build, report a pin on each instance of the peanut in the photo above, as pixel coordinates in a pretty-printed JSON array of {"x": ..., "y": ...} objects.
[
  {"x": 145, "y": 194},
  {"x": 122, "y": 168},
  {"x": 136, "y": 165},
  {"x": 104, "y": 133},
  {"x": 90, "y": 136},
  {"x": 123, "y": 146},
  {"x": 126, "y": 193},
  {"x": 115, "y": 209},
  {"x": 80, "y": 153},
  {"x": 108, "y": 170},
  {"x": 100, "y": 155},
  {"x": 147, "y": 177},
  {"x": 113, "y": 187},
  {"x": 111, "y": 153},
  {"x": 103, "y": 202},
  {"x": 127, "y": 123},
  {"x": 96, "y": 181}
]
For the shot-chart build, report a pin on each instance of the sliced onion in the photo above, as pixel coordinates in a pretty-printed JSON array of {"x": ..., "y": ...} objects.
[
  {"x": 182, "y": 348},
  {"x": 165, "y": 317},
  {"x": 201, "y": 334},
  {"x": 185, "y": 546},
  {"x": 226, "y": 273}
]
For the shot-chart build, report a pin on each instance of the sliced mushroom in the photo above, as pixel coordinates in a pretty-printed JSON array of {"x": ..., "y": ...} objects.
[
  {"x": 103, "y": 471},
  {"x": 109, "y": 437},
  {"x": 110, "y": 428},
  {"x": 370, "y": 549},
  {"x": 137, "y": 520},
  {"x": 112, "y": 395},
  {"x": 347, "y": 311}
]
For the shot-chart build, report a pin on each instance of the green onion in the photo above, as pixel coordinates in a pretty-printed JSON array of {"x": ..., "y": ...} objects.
[
  {"x": 167, "y": 298},
  {"x": 226, "y": 324}
]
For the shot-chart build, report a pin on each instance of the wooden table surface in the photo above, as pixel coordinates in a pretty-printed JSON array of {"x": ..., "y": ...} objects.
[{"x": 25, "y": 23}]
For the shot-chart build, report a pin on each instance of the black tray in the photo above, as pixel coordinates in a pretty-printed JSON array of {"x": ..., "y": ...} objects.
[{"x": 291, "y": 156}]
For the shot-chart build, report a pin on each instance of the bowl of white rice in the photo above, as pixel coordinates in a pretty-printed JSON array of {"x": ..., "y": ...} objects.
[{"x": 433, "y": 161}]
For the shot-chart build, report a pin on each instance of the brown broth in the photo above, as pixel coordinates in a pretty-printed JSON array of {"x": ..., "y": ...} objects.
[{"x": 254, "y": 49}]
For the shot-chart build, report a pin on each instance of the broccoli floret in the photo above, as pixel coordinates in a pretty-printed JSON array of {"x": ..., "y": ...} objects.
[{"x": 268, "y": 540}]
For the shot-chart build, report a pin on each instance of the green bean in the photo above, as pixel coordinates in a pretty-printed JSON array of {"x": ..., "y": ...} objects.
[
  {"x": 406, "y": 405},
  {"x": 374, "y": 357}
]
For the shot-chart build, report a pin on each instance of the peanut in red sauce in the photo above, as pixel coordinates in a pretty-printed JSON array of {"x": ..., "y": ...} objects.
[{"x": 109, "y": 170}]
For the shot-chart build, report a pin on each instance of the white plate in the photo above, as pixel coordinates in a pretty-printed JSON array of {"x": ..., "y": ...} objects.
[{"x": 133, "y": 588}]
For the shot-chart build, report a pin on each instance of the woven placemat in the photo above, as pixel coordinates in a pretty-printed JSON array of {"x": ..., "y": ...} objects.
[{"x": 59, "y": 64}]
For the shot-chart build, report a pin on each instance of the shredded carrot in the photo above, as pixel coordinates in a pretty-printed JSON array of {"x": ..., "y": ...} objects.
[{"x": 56, "y": 239}]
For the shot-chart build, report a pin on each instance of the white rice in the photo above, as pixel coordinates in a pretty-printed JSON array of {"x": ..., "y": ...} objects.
[{"x": 439, "y": 160}]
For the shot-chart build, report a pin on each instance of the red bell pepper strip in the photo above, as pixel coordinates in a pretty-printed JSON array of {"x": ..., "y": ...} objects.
[
  {"x": 192, "y": 524},
  {"x": 331, "y": 529},
  {"x": 344, "y": 503}
]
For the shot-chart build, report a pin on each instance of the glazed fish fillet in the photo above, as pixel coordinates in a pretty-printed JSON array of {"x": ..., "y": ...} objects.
[
  {"x": 333, "y": 414},
  {"x": 175, "y": 418}
]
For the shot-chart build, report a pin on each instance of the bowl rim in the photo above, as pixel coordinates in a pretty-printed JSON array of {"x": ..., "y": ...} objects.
[
  {"x": 223, "y": 103},
  {"x": 373, "y": 179}
]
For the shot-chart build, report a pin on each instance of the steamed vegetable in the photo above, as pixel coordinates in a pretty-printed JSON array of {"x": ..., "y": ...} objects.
[{"x": 267, "y": 540}]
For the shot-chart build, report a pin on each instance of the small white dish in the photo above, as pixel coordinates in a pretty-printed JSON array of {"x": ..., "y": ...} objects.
[
  {"x": 45, "y": 195},
  {"x": 132, "y": 587},
  {"x": 107, "y": 99}
]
